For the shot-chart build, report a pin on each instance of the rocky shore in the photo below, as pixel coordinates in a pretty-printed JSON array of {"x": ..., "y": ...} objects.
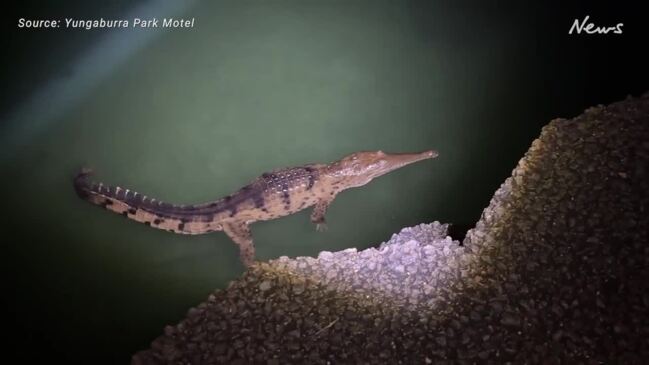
[{"x": 555, "y": 271}]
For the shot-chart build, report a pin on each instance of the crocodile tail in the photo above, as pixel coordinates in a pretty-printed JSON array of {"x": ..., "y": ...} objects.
[
  {"x": 82, "y": 185},
  {"x": 138, "y": 207},
  {"x": 102, "y": 194}
]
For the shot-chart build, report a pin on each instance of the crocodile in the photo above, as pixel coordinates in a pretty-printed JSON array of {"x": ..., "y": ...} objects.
[{"x": 272, "y": 195}]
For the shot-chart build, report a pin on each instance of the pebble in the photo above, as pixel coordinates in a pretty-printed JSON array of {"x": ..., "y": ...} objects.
[{"x": 265, "y": 285}]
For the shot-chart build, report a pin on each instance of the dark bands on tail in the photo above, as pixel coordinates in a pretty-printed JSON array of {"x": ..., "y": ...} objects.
[
  {"x": 140, "y": 208},
  {"x": 92, "y": 191},
  {"x": 185, "y": 219},
  {"x": 106, "y": 195}
]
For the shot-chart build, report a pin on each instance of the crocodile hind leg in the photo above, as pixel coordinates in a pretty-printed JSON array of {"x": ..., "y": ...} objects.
[
  {"x": 318, "y": 214},
  {"x": 241, "y": 235}
]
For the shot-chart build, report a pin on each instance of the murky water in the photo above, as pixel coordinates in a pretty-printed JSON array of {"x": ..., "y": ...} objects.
[{"x": 195, "y": 114}]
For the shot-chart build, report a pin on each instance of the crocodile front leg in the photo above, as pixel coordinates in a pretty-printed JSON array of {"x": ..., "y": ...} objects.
[
  {"x": 240, "y": 233},
  {"x": 318, "y": 214}
]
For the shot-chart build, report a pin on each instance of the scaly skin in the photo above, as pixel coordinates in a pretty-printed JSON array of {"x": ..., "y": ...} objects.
[{"x": 272, "y": 195}]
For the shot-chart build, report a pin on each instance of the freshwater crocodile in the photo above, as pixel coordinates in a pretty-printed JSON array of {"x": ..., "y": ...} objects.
[{"x": 272, "y": 195}]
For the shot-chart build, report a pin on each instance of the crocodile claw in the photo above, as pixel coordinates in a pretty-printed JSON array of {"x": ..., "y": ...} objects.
[{"x": 321, "y": 227}]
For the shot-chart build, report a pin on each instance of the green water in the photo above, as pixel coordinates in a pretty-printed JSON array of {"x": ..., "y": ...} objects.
[{"x": 198, "y": 113}]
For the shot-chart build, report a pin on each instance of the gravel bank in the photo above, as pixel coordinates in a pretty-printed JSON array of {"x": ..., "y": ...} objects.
[{"x": 556, "y": 271}]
